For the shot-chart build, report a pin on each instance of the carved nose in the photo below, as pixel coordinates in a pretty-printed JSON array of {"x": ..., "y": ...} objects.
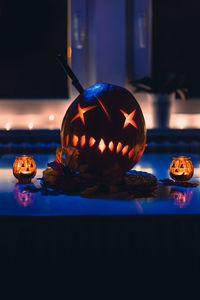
[
  {"x": 27, "y": 169},
  {"x": 176, "y": 170}
]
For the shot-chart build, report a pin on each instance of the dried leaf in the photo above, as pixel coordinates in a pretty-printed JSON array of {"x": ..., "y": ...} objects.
[
  {"x": 68, "y": 157},
  {"x": 51, "y": 176},
  {"x": 59, "y": 155}
]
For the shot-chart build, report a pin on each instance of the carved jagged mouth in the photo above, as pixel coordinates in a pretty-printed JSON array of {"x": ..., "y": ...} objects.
[
  {"x": 118, "y": 147},
  {"x": 26, "y": 174}
]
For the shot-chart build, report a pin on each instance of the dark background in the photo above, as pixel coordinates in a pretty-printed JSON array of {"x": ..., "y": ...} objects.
[
  {"x": 176, "y": 41},
  {"x": 31, "y": 34}
]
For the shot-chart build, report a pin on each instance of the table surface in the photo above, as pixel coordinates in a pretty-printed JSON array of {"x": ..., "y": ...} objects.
[{"x": 16, "y": 200}]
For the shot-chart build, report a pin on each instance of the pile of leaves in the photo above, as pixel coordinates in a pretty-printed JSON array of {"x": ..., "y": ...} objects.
[
  {"x": 65, "y": 175},
  {"x": 169, "y": 182}
]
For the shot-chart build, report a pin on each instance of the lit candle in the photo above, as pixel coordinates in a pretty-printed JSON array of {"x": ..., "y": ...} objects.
[
  {"x": 181, "y": 169},
  {"x": 24, "y": 168}
]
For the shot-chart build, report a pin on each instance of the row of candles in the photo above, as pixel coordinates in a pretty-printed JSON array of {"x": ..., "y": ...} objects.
[{"x": 30, "y": 125}]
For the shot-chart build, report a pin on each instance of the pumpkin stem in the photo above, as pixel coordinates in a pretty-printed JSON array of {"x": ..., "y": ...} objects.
[{"x": 68, "y": 71}]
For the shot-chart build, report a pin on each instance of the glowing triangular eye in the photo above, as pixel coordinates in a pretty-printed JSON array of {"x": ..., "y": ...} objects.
[
  {"x": 129, "y": 118},
  {"x": 81, "y": 112}
]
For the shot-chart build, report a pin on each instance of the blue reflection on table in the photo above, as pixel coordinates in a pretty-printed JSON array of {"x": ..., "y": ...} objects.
[{"x": 28, "y": 200}]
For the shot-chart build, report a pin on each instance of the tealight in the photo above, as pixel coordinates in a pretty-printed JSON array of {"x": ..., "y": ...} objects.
[
  {"x": 181, "y": 169},
  {"x": 24, "y": 168}
]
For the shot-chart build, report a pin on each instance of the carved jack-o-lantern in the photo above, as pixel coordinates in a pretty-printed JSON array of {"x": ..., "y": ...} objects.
[
  {"x": 106, "y": 125},
  {"x": 24, "y": 168},
  {"x": 22, "y": 196},
  {"x": 181, "y": 169}
]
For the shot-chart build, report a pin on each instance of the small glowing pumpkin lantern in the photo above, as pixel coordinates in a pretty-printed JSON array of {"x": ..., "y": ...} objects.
[
  {"x": 106, "y": 125},
  {"x": 24, "y": 168},
  {"x": 181, "y": 169}
]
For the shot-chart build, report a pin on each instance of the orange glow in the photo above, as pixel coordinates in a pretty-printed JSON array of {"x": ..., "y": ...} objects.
[
  {"x": 131, "y": 153},
  {"x": 69, "y": 52},
  {"x": 119, "y": 147},
  {"x": 82, "y": 140},
  {"x": 24, "y": 168},
  {"x": 22, "y": 196},
  {"x": 67, "y": 140},
  {"x": 125, "y": 150},
  {"x": 129, "y": 118},
  {"x": 181, "y": 169},
  {"x": 51, "y": 117},
  {"x": 59, "y": 152},
  {"x": 107, "y": 114},
  {"x": 111, "y": 146},
  {"x": 181, "y": 199},
  {"x": 102, "y": 145},
  {"x": 91, "y": 141},
  {"x": 75, "y": 140},
  {"x": 8, "y": 126},
  {"x": 30, "y": 125},
  {"x": 181, "y": 122},
  {"x": 81, "y": 112}
]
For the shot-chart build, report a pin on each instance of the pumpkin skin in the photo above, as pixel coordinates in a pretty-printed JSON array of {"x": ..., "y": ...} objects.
[
  {"x": 24, "y": 168},
  {"x": 181, "y": 169},
  {"x": 105, "y": 123}
]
